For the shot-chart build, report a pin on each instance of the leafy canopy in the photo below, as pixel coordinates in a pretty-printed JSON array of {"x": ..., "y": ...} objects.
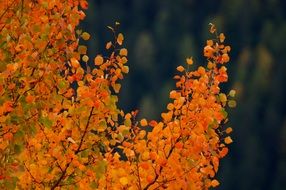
[{"x": 60, "y": 127}]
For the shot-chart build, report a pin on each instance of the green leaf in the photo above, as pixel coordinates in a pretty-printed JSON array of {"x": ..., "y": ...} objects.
[
  {"x": 11, "y": 183},
  {"x": 46, "y": 122},
  {"x": 93, "y": 185},
  {"x": 224, "y": 113},
  {"x": 100, "y": 168},
  {"x": 18, "y": 148},
  {"x": 101, "y": 126},
  {"x": 232, "y": 103},
  {"x": 19, "y": 134},
  {"x": 62, "y": 84},
  {"x": 127, "y": 123}
]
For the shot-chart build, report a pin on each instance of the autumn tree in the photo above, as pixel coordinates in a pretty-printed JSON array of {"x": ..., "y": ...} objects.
[{"x": 60, "y": 127}]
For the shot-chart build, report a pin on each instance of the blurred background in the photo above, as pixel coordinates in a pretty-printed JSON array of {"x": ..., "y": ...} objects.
[{"x": 160, "y": 34}]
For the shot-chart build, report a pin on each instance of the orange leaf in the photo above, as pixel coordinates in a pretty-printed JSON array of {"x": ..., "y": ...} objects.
[
  {"x": 189, "y": 61},
  {"x": 143, "y": 122},
  {"x": 74, "y": 62},
  {"x": 214, "y": 183},
  {"x": 123, "y": 52},
  {"x": 108, "y": 45},
  {"x": 98, "y": 60},
  {"x": 228, "y": 130},
  {"x": 180, "y": 68},
  {"x": 120, "y": 39},
  {"x": 85, "y": 36},
  {"x": 30, "y": 99},
  {"x": 228, "y": 140}
]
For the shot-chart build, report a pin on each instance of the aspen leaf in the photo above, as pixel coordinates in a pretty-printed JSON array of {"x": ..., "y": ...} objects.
[
  {"x": 8, "y": 136},
  {"x": 170, "y": 106},
  {"x": 30, "y": 98},
  {"x": 84, "y": 4},
  {"x": 85, "y": 58},
  {"x": 232, "y": 93},
  {"x": 125, "y": 69},
  {"x": 210, "y": 42},
  {"x": 214, "y": 183},
  {"x": 143, "y": 122},
  {"x": 215, "y": 162},
  {"x": 228, "y": 130},
  {"x": 98, "y": 60},
  {"x": 174, "y": 94},
  {"x": 82, "y": 49},
  {"x": 222, "y": 97},
  {"x": 189, "y": 61},
  {"x": 153, "y": 155},
  {"x": 123, "y": 52},
  {"x": 85, "y": 36},
  {"x": 232, "y": 103},
  {"x": 120, "y": 39},
  {"x": 149, "y": 178},
  {"x": 221, "y": 37},
  {"x": 123, "y": 180},
  {"x": 127, "y": 122},
  {"x": 223, "y": 152},
  {"x": 78, "y": 32},
  {"x": 108, "y": 45},
  {"x": 144, "y": 165},
  {"x": 116, "y": 87},
  {"x": 145, "y": 155},
  {"x": 46, "y": 122},
  {"x": 124, "y": 60},
  {"x": 180, "y": 68},
  {"x": 74, "y": 62},
  {"x": 228, "y": 140},
  {"x": 212, "y": 28}
]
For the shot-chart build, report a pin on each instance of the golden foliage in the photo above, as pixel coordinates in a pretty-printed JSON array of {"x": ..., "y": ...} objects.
[{"x": 60, "y": 127}]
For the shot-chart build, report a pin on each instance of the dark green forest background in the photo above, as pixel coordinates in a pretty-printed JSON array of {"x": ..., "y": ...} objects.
[{"x": 160, "y": 34}]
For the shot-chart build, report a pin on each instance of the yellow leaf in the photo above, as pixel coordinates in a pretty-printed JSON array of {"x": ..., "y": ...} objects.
[
  {"x": 85, "y": 58},
  {"x": 228, "y": 140},
  {"x": 143, "y": 122},
  {"x": 82, "y": 49},
  {"x": 145, "y": 155},
  {"x": 222, "y": 97},
  {"x": 123, "y": 180},
  {"x": 116, "y": 87},
  {"x": 232, "y": 103},
  {"x": 85, "y": 36},
  {"x": 120, "y": 38},
  {"x": 221, "y": 37},
  {"x": 98, "y": 60},
  {"x": 189, "y": 61},
  {"x": 125, "y": 69},
  {"x": 232, "y": 93},
  {"x": 228, "y": 130},
  {"x": 123, "y": 52},
  {"x": 170, "y": 106},
  {"x": 124, "y": 60},
  {"x": 101, "y": 126}
]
